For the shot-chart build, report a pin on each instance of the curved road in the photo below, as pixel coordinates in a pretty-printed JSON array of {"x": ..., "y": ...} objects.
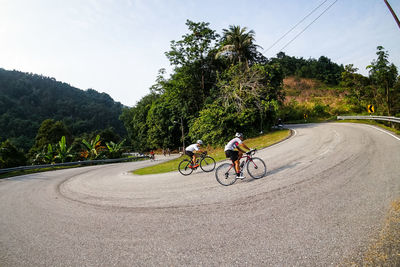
[{"x": 327, "y": 192}]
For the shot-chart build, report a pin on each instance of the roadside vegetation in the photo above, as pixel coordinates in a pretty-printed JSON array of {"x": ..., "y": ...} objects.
[
  {"x": 24, "y": 172},
  {"x": 384, "y": 249}
]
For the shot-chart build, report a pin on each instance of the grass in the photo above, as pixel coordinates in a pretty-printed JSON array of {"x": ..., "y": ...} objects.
[
  {"x": 385, "y": 250},
  {"x": 218, "y": 153},
  {"x": 23, "y": 172},
  {"x": 30, "y": 171}
]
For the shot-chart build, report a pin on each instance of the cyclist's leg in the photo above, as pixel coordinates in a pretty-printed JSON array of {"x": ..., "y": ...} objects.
[
  {"x": 237, "y": 168},
  {"x": 234, "y": 156},
  {"x": 191, "y": 155}
]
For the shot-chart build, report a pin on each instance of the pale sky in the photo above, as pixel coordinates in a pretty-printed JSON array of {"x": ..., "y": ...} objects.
[{"x": 118, "y": 46}]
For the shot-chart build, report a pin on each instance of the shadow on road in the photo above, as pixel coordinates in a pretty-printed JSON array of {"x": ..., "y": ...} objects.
[{"x": 290, "y": 166}]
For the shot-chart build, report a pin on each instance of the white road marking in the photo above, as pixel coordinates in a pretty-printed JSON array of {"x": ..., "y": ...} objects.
[{"x": 384, "y": 131}]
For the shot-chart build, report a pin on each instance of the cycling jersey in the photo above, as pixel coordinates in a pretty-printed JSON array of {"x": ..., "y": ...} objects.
[
  {"x": 233, "y": 144},
  {"x": 192, "y": 148}
]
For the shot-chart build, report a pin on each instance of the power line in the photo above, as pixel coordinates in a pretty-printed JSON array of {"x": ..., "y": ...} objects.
[
  {"x": 393, "y": 14},
  {"x": 295, "y": 26},
  {"x": 309, "y": 25}
]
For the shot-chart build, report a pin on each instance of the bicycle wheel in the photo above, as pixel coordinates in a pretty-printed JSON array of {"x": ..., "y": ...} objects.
[
  {"x": 256, "y": 168},
  {"x": 184, "y": 167},
  {"x": 207, "y": 164},
  {"x": 225, "y": 174}
]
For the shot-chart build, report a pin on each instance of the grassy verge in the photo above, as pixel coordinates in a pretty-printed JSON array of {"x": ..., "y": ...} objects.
[
  {"x": 218, "y": 153},
  {"x": 17, "y": 173},
  {"x": 30, "y": 171},
  {"x": 385, "y": 250}
]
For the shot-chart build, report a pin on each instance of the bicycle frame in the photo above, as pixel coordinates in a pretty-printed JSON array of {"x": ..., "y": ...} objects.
[
  {"x": 248, "y": 157},
  {"x": 198, "y": 158}
]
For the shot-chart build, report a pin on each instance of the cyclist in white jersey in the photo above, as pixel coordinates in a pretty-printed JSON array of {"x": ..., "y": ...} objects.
[
  {"x": 235, "y": 155},
  {"x": 194, "y": 149}
]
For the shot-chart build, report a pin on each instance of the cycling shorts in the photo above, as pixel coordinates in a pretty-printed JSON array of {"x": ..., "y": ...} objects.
[
  {"x": 232, "y": 154},
  {"x": 189, "y": 153}
]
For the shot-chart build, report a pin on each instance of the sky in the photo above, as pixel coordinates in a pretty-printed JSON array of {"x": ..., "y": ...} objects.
[{"x": 118, "y": 46}]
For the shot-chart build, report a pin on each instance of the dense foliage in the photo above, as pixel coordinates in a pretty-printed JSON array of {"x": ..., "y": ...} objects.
[
  {"x": 381, "y": 88},
  {"x": 322, "y": 69},
  {"x": 26, "y": 100},
  {"x": 221, "y": 84}
]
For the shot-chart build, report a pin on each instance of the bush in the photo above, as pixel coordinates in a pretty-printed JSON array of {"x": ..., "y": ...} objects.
[{"x": 10, "y": 156}]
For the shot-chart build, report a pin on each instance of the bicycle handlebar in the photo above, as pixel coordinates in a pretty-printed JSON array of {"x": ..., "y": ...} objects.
[{"x": 251, "y": 152}]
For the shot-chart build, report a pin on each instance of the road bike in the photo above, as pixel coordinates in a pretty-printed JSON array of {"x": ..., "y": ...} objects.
[
  {"x": 152, "y": 157},
  {"x": 205, "y": 162},
  {"x": 256, "y": 168}
]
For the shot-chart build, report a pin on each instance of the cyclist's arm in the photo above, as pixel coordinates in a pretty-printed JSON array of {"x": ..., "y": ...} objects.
[
  {"x": 244, "y": 145},
  {"x": 198, "y": 151},
  {"x": 240, "y": 149}
]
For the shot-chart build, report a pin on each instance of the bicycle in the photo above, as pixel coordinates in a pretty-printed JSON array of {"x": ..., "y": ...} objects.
[
  {"x": 205, "y": 162},
  {"x": 152, "y": 157},
  {"x": 226, "y": 173}
]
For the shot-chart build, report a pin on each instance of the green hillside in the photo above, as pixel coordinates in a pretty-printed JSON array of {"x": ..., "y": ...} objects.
[
  {"x": 315, "y": 99},
  {"x": 26, "y": 100}
]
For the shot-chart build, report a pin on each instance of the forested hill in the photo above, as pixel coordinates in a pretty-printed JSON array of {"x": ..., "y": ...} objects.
[{"x": 26, "y": 100}]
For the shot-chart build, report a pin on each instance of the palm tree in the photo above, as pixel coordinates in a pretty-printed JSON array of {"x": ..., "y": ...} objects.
[{"x": 238, "y": 45}]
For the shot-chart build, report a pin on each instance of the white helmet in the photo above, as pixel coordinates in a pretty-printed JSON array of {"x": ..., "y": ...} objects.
[
  {"x": 199, "y": 142},
  {"x": 239, "y": 135}
]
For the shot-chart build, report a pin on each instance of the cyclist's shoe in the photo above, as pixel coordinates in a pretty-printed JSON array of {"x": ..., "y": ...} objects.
[
  {"x": 240, "y": 176},
  {"x": 195, "y": 166}
]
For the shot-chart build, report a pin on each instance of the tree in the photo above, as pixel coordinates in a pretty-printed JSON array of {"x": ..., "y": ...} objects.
[
  {"x": 194, "y": 67},
  {"x": 357, "y": 85},
  {"x": 248, "y": 102},
  {"x": 10, "y": 156},
  {"x": 383, "y": 76},
  {"x": 238, "y": 45},
  {"x": 135, "y": 121},
  {"x": 194, "y": 46},
  {"x": 50, "y": 132}
]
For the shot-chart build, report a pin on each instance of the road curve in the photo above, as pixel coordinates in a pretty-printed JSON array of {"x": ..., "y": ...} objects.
[{"x": 328, "y": 189}]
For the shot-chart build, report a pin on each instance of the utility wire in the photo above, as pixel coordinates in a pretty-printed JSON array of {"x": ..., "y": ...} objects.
[
  {"x": 393, "y": 14},
  {"x": 309, "y": 25},
  {"x": 295, "y": 26}
]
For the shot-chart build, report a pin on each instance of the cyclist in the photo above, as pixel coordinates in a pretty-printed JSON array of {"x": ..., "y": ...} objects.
[
  {"x": 235, "y": 155},
  {"x": 194, "y": 149}
]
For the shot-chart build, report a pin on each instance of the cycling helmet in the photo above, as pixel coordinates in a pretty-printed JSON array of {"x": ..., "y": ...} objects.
[
  {"x": 239, "y": 135},
  {"x": 199, "y": 142}
]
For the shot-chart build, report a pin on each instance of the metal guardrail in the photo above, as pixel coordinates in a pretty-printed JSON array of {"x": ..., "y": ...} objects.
[
  {"x": 379, "y": 118},
  {"x": 85, "y": 162}
]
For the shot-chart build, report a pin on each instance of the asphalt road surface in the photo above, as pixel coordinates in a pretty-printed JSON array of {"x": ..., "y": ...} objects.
[{"x": 323, "y": 201}]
